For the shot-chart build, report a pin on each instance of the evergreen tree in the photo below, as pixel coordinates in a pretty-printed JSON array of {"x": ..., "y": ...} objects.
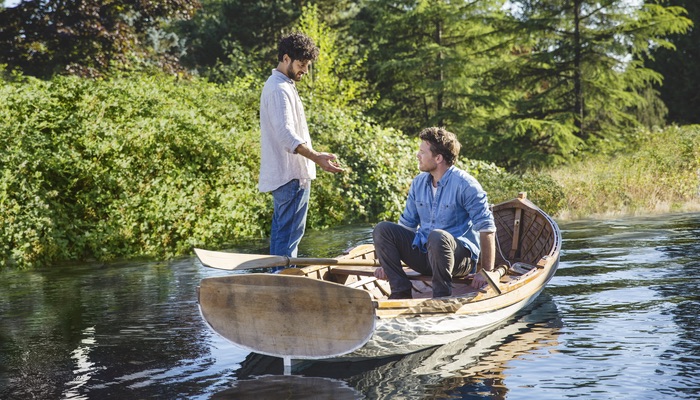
[
  {"x": 227, "y": 38},
  {"x": 680, "y": 90},
  {"x": 427, "y": 58},
  {"x": 236, "y": 33},
  {"x": 581, "y": 75}
]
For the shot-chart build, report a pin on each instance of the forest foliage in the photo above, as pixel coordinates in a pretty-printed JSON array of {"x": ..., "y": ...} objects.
[
  {"x": 149, "y": 165},
  {"x": 136, "y": 133}
]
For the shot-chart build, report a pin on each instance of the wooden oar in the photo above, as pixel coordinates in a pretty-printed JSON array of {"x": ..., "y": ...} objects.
[
  {"x": 287, "y": 316},
  {"x": 231, "y": 261}
]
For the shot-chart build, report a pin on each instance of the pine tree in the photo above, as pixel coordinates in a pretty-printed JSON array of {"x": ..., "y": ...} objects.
[
  {"x": 679, "y": 67},
  {"x": 427, "y": 60},
  {"x": 581, "y": 74}
]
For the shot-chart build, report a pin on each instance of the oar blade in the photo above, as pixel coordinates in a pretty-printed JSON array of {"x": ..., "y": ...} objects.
[
  {"x": 287, "y": 316},
  {"x": 232, "y": 261}
]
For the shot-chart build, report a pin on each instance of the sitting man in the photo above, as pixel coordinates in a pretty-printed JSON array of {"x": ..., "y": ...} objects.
[{"x": 445, "y": 227}]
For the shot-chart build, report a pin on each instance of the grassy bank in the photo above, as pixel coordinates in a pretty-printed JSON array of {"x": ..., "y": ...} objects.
[{"x": 661, "y": 174}]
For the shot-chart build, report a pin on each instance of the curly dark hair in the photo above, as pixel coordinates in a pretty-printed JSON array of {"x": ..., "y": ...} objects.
[
  {"x": 298, "y": 47},
  {"x": 442, "y": 142}
]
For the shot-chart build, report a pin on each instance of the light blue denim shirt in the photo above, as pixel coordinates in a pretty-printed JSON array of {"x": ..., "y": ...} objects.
[{"x": 459, "y": 207}]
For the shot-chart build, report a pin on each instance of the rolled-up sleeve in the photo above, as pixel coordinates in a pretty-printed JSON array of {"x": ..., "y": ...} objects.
[{"x": 477, "y": 205}]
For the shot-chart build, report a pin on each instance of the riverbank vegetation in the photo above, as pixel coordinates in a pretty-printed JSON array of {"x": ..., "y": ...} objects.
[
  {"x": 151, "y": 165},
  {"x": 143, "y": 146},
  {"x": 660, "y": 173}
]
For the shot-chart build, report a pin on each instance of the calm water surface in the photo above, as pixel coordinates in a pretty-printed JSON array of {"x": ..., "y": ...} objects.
[{"x": 618, "y": 321}]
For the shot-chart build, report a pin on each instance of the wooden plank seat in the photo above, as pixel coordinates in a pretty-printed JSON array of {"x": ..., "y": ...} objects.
[
  {"x": 362, "y": 282},
  {"x": 517, "y": 268}
]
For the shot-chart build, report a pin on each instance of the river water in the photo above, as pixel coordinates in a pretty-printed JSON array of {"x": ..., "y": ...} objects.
[{"x": 618, "y": 321}]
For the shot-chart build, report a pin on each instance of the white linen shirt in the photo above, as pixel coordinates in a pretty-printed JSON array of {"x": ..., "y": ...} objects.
[{"x": 282, "y": 129}]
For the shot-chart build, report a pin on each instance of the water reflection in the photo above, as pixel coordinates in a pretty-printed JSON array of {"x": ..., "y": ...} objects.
[
  {"x": 90, "y": 331},
  {"x": 628, "y": 290},
  {"x": 618, "y": 320},
  {"x": 679, "y": 285},
  {"x": 274, "y": 387},
  {"x": 84, "y": 366}
]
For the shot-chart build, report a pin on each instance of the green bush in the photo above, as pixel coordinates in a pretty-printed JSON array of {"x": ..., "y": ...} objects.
[
  {"x": 129, "y": 166},
  {"x": 146, "y": 165},
  {"x": 149, "y": 165},
  {"x": 541, "y": 188},
  {"x": 661, "y": 173}
]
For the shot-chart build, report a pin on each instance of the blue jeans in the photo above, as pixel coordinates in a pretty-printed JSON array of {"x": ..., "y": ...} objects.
[{"x": 291, "y": 204}]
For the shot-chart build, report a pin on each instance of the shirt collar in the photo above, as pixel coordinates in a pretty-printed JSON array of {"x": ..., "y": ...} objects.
[
  {"x": 445, "y": 178},
  {"x": 277, "y": 73}
]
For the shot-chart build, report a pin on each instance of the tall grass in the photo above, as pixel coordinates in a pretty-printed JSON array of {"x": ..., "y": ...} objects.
[{"x": 660, "y": 174}]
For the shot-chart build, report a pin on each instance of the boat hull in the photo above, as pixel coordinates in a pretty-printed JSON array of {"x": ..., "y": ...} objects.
[{"x": 404, "y": 335}]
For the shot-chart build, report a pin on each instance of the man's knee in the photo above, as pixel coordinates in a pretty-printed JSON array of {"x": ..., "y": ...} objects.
[
  {"x": 381, "y": 231},
  {"x": 439, "y": 237}
]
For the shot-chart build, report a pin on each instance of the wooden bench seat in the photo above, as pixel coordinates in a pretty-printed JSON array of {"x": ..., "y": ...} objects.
[
  {"x": 518, "y": 268},
  {"x": 369, "y": 271}
]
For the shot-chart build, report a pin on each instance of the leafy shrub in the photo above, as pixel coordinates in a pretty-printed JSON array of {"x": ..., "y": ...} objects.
[
  {"x": 661, "y": 173},
  {"x": 129, "y": 166},
  {"x": 149, "y": 166},
  {"x": 146, "y": 165}
]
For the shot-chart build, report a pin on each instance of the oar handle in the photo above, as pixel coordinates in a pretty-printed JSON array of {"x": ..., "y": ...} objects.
[{"x": 233, "y": 261}]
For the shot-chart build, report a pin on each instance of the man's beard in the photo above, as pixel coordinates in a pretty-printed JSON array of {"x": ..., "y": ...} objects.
[{"x": 290, "y": 73}]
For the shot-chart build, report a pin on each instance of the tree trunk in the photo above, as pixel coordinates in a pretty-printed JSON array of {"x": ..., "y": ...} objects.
[
  {"x": 440, "y": 73},
  {"x": 578, "y": 86}
]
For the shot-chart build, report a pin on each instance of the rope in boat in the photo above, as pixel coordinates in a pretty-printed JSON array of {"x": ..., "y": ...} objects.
[{"x": 498, "y": 246}]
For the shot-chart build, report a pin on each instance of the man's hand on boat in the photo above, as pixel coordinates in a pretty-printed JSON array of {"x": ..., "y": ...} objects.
[{"x": 478, "y": 281}]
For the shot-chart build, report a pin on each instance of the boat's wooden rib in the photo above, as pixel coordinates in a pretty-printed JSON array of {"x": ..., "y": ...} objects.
[{"x": 516, "y": 233}]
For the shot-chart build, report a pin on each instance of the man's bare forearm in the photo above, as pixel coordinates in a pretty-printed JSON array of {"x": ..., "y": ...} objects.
[{"x": 488, "y": 250}]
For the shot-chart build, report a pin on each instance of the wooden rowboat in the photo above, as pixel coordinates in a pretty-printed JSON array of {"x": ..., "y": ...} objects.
[{"x": 336, "y": 308}]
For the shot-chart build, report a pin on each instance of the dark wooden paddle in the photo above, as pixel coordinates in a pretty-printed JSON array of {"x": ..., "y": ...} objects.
[
  {"x": 287, "y": 316},
  {"x": 233, "y": 261}
]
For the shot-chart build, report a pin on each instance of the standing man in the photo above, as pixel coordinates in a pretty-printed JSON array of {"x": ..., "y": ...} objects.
[
  {"x": 288, "y": 162},
  {"x": 445, "y": 227}
]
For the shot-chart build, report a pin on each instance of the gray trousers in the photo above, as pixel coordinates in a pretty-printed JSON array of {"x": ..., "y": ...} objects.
[{"x": 446, "y": 257}]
